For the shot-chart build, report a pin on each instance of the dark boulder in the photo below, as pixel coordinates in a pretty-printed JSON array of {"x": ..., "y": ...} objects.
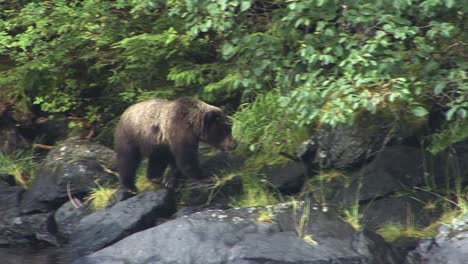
[
  {"x": 287, "y": 178},
  {"x": 393, "y": 169},
  {"x": 344, "y": 146},
  {"x": 349, "y": 146},
  {"x": 18, "y": 230},
  {"x": 109, "y": 225},
  {"x": 7, "y": 179},
  {"x": 220, "y": 162},
  {"x": 76, "y": 166},
  {"x": 236, "y": 236},
  {"x": 9, "y": 208},
  {"x": 68, "y": 216},
  {"x": 401, "y": 168},
  {"x": 399, "y": 209}
]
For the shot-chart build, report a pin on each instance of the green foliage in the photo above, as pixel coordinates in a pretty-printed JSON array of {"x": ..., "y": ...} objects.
[
  {"x": 254, "y": 194},
  {"x": 392, "y": 231},
  {"x": 329, "y": 59},
  {"x": 454, "y": 132},
  {"x": 91, "y": 58},
  {"x": 265, "y": 128},
  {"x": 19, "y": 164}
]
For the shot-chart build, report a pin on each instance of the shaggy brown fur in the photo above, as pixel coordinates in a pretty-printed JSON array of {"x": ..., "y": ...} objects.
[{"x": 168, "y": 133}]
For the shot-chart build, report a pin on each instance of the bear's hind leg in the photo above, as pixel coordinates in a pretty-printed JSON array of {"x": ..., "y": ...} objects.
[
  {"x": 128, "y": 159},
  {"x": 157, "y": 164}
]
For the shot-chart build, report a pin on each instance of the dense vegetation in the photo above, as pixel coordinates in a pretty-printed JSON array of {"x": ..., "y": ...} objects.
[{"x": 323, "y": 60}]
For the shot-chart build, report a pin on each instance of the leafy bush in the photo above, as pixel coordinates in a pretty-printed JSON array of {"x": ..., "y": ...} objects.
[
  {"x": 90, "y": 59},
  {"x": 329, "y": 59}
]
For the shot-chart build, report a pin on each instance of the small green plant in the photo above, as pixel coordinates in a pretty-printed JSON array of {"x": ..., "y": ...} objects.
[
  {"x": 392, "y": 231},
  {"x": 254, "y": 195},
  {"x": 20, "y": 164},
  {"x": 302, "y": 220},
  {"x": 99, "y": 197},
  {"x": 353, "y": 217},
  {"x": 266, "y": 215}
]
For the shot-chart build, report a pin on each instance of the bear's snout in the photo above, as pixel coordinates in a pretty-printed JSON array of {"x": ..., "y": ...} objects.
[{"x": 229, "y": 144}]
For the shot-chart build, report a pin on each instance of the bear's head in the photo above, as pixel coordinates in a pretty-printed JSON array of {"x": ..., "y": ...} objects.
[{"x": 216, "y": 130}]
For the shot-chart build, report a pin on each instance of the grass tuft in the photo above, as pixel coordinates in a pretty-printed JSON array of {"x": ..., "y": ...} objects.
[
  {"x": 353, "y": 217},
  {"x": 266, "y": 215},
  {"x": 20, "y": 164},
  {"x": 255, "y": 195},
  {"x": 99, "y": 197}
]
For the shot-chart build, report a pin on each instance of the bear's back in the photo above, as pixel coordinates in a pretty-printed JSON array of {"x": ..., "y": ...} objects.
[{"x": 145, "y": 122}]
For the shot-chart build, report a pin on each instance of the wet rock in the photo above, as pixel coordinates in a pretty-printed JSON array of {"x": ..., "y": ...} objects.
[
  {"x": 109, "y": 225},
  {"x": 398, "y": 209},
  {"x": 18, "y": 230},
  {"x": 403, "y": 245},
  {"x": 400, "y": 168},
  {"x": 346, "y": 146},
  {"x": 7, "y": 179},
  {"x": 37, "y": 229},
  {"x": 450, "y": 246},
  {"x": 235, "y": 236},
  {"x": 220, "y": 162},
  {"x": 68, "y": 216},
  {"x": 107, "y": 260},
  {"x": 77, "y": 165},
  {"x": 9, "y": 208},
  {"x": 382, "y": 177},
  {"x": 288, "y": 178}
]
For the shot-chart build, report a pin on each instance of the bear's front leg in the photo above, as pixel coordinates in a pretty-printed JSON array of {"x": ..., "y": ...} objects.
[{"x": 186, "y": 160}]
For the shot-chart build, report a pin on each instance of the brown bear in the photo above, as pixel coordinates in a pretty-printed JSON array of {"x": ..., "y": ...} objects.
[{"x": 168, "y": 133}]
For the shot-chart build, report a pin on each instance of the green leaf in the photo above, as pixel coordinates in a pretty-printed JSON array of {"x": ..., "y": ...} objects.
[
  {"x": 450, "y": 113},
  {"x": 439, "y": 88},
  {"x": 244, "y": 5},
  {"x": 419, "y": 111},
  {"x": 449, "y": 3}
]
